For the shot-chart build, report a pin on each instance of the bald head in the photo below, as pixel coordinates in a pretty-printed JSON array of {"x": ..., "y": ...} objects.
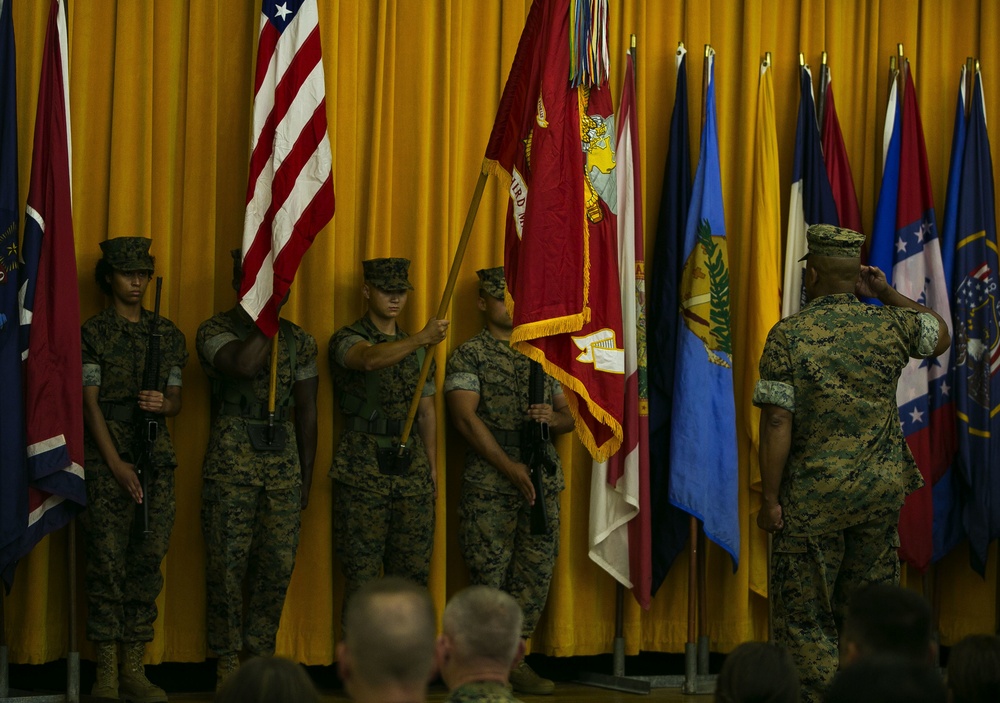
[
  {"x": 390, "y": 633},
  {"x": 483, "y": 623}
]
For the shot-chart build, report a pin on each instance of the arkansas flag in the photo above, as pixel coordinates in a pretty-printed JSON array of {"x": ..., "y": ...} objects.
[
  {"x": 50, "y": 307},
  {"x": 290, "y": 188},
  {"x": 553, "y": 143}
]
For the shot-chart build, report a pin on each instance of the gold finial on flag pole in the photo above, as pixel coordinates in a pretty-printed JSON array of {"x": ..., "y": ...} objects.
[
  {"x": 802, "y": 59},
  {"x": 767, "y": 58},
  {"x": 822, "y": 58}
]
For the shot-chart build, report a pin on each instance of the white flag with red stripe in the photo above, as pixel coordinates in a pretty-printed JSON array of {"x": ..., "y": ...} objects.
[{"x": 290, "y": 186}]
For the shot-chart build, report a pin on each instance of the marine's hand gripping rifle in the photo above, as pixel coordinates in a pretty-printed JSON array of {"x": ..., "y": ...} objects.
[
  {"x": 534, "y": 438},
  {"x": 147, "y": 424}
]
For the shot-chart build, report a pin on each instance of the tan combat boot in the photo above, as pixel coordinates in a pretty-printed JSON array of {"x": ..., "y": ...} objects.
[
  {"x": 224, "y": 668},
  {"x": 132, "y": 682},
  {"x": 524, "y": 680},
  {"x": 106, "y": 685}
]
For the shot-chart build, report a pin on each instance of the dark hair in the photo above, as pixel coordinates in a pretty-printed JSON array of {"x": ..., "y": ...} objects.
[
  {"x": 974, "y": 670},
  {"x": 758, "y": 672},
  {"x": 268, "y": 680},
  {"x": 102, "y": 272},
  {"x": 887, "y": 619},
  {"x": 887, "y": 679}
]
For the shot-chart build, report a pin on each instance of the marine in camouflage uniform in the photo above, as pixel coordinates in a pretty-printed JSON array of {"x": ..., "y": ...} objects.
[
  {"x": 383, "y": 513},
  {"x": 482, "y": 692},
  {"x": 123, "y": 575},
  {"x": 834, "y": 462},
  {"x": 253, "y": 490},
  {"x": 487, "y": 393}
]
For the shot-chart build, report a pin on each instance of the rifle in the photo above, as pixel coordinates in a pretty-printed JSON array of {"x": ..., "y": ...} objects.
[
  {"x": 147, "y": 424},
  {"x": 534, "y": 438}
]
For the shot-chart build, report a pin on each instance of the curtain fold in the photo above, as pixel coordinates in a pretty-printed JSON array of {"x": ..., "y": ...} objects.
[{"x": 161, "y": 98}]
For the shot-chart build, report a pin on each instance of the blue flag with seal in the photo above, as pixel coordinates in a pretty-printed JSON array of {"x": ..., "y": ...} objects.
[
  {"x": 976, "y": 306},
  {"x": 13, "y": 474},
  {"x": 703, "y": 462}
]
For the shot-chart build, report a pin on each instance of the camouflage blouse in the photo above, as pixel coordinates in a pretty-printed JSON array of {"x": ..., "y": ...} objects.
[
  {"x": 488, "y": 366},
  {"x": 230, "y": 458},
  {"x": 355, "y": 462},
  {"x": 835, "y": 365},
  {"x": 114, "y": 358},
  {"x": 482, "y": 692}
]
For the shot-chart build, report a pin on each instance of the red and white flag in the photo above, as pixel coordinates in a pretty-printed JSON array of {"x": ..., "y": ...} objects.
[
  {"x": 553, "y": 145},
  {"x": 290, "y": 186},
  {"x": 619, "y": 493},
  {"x": 50, "y": 307}
]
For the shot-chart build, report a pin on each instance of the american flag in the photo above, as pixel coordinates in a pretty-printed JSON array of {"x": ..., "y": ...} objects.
[{"x": 290, "y": 187}]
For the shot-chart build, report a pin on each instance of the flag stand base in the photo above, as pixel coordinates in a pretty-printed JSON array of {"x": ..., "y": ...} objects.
[{"x": 695, "y": 680}]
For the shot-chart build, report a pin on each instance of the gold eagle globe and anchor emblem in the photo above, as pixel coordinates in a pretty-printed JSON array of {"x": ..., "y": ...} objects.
[{"x": 704, "y": 295}]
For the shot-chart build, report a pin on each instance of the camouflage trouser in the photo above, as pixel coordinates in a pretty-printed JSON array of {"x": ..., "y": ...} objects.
[
  {"x": 500, "y": 551},
  {"x": 123, "y": 572},
  {"x": 376, "y": 533},
  {"x": 812, "y": 579},
  {"x": 251, "y": 536}
]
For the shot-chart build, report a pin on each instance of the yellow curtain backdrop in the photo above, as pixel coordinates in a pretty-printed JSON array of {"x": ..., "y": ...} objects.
[{"x": 160, "y": 100}]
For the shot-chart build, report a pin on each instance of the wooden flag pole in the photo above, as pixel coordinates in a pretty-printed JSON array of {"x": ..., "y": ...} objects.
[{"x": 449, "y": 288}]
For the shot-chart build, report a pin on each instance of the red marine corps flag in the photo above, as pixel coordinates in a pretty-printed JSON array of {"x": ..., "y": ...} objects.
[
  {"x": 553, "y": 142},
  {"x": 290, "y": 187}
]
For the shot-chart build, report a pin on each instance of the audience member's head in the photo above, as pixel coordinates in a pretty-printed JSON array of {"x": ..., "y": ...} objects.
[
  {"x": 758, "y": 672},
  {"x": 974, "y": 670},
  {"x": 388, "y": 647},
  {"x": 881, "y": 678},
  {"x": 268, "y": 680},
  {"x": 481, "y": 636},
  {"x": 885, "y": 619}
]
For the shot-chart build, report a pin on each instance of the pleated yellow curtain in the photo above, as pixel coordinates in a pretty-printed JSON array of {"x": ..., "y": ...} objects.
[{"x": 160, "y": 100}]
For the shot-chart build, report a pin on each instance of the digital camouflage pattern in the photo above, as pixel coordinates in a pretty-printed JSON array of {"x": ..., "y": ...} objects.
[
  {"x": 388, "y": 274},
  {"x": 492, "y": 281},
  {"x": 123, "y": 575},
  {"x": 251, "y": 501},
  {"x": 391, "y": 534},
  {"x": 114, "y": 357},
  {"x": 812, "y": 579},
  {"x": 482, "y": 692},
  {"x": 489, "y": 367},
  {"x": 382, "y": 523},
  {"x": 230, "y": 458},
  {"x": 128, "y": 253},
  {"x": 837, "y": 242},
  {"x": 252, "y": 532},
  {"x": 835, "y": 366},
  {"x": 354, "y": 462},
  {"x": 494, "y": 519}
]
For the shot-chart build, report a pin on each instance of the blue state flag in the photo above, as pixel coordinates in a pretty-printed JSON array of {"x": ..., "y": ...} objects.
[
  {"x": 669, "y": 528},
  {"x": 948, "y": 530},
  {"x": 13, "y": 474},
  {"x": 703, "y": 463},
  {"x": 976, "y": 306}
]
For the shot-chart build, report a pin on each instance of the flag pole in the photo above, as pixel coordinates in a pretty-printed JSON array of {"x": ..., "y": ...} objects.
[
  {"x": 449, "y": 288},
  {"x": 971, "y": 65},
  {"x": 824, "y": 82}
]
